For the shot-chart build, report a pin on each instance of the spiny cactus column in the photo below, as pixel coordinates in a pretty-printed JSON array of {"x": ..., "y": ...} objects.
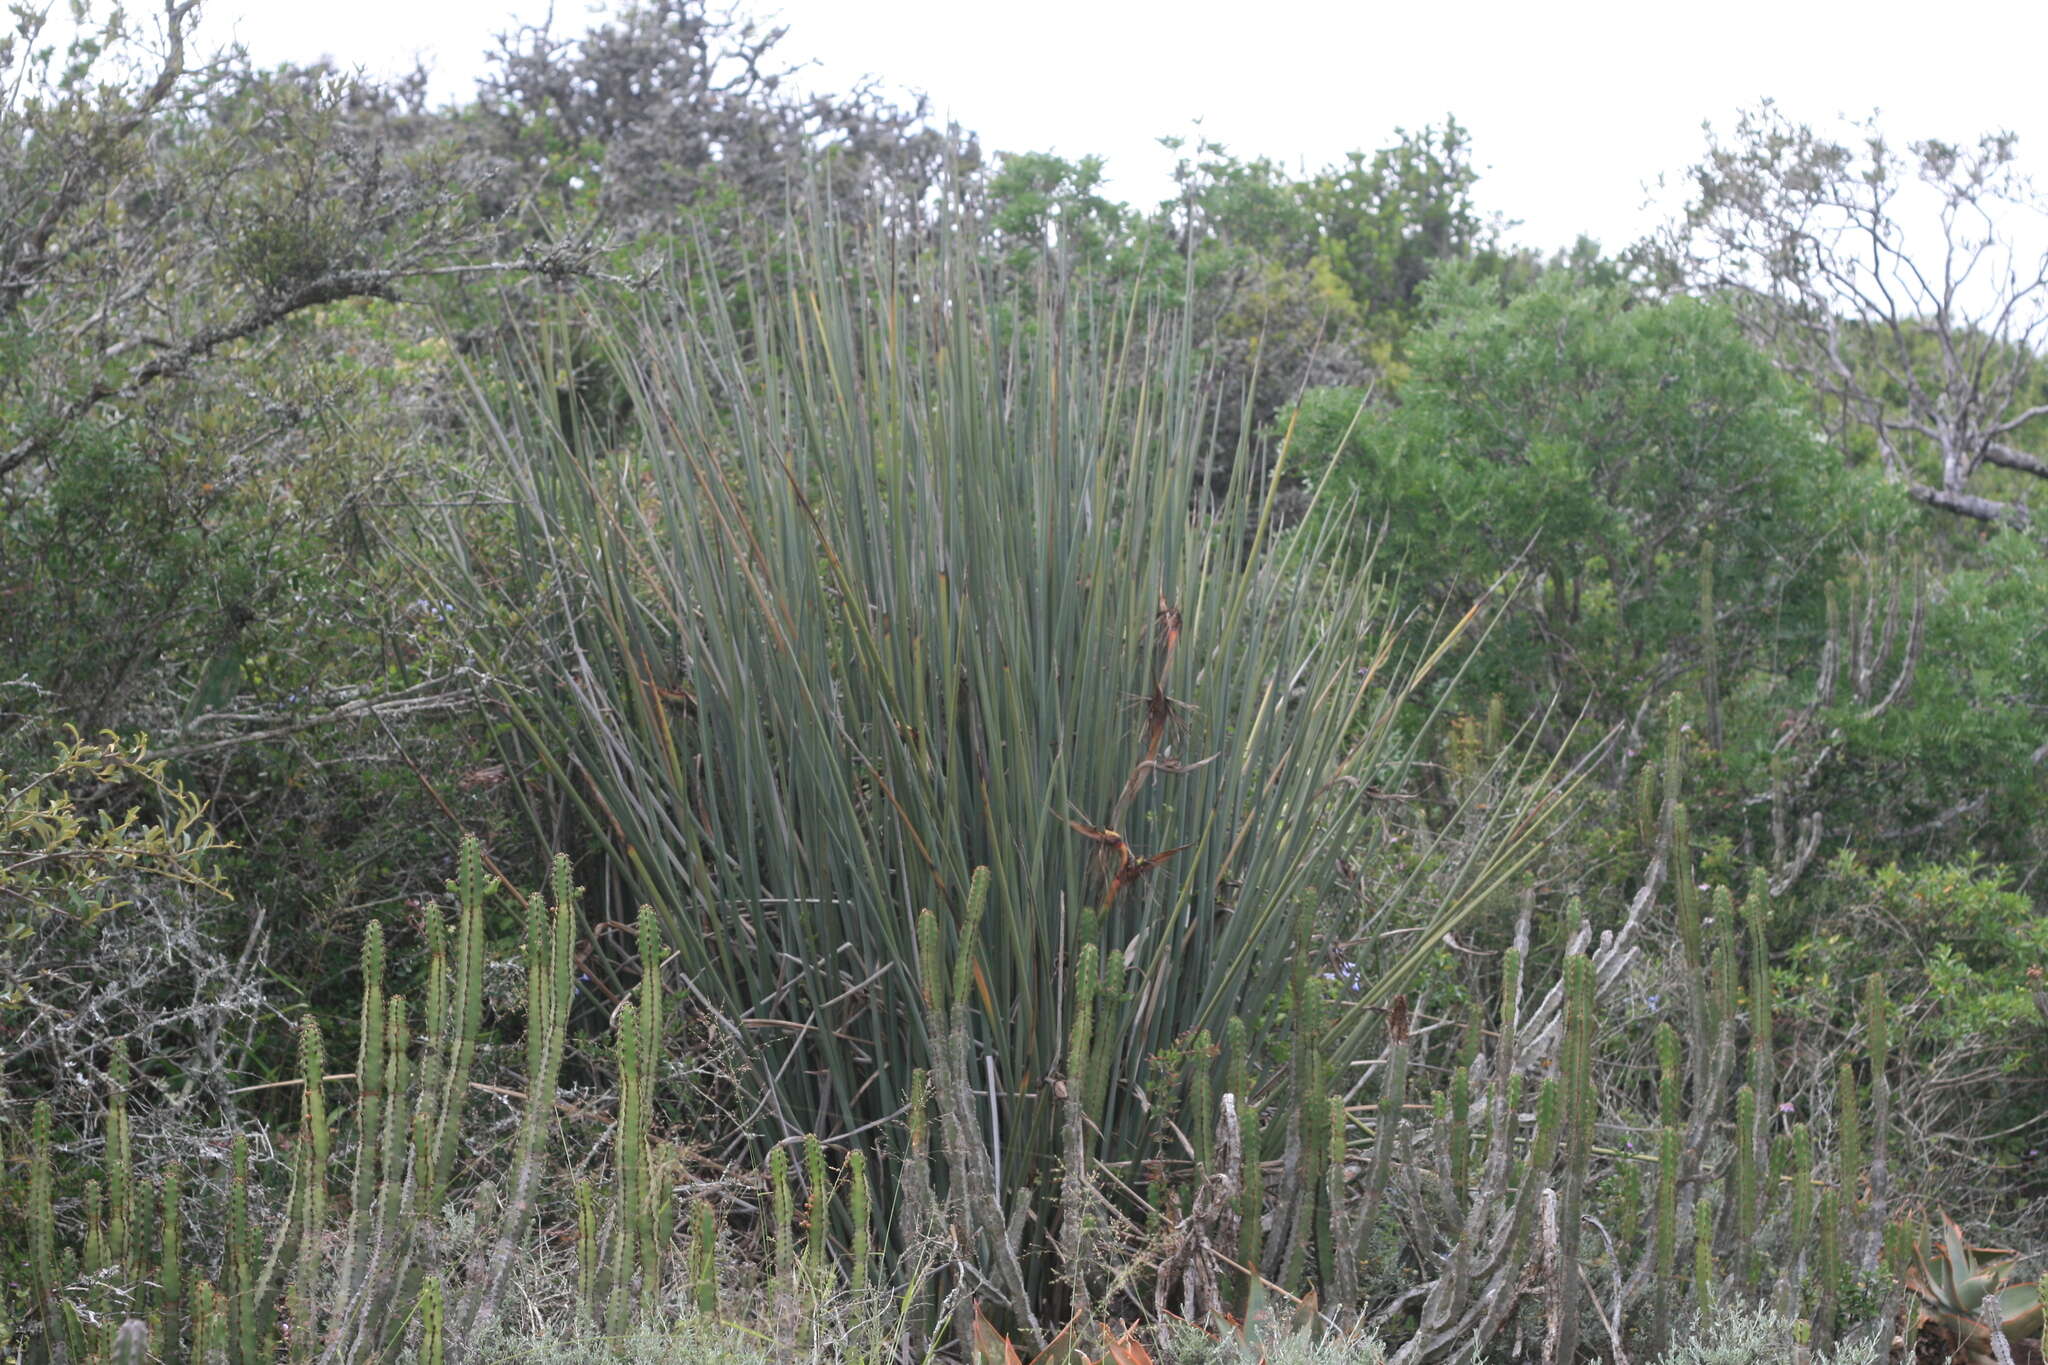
[
  {"x": 618, "y": 1310},
  {"x": 455, "y": 1045},
  {"x": 589, "y": 1259},
  {"x": 371, "y": 1049},
  {"x": 917, "y": 1210},
  {"x": 1777, "y": 1183},
  {"x": 1701, "y": 1023},
  {"x": 630, "y": 1158},
  {"x": 1726, "y": 991},
  {"x": 550, "y": 987},
  {"x": 1301, "y": 1219},
  {"x": 1830, "y": 1269},
  {"x": 308, "y": 1217},
  {"x": 860, "y": 1251},
  {"x": 1628, "y": 1200},
  {"x": 1802, "y": 1178},
  {"x": 1763, "y": 1058},
  {"x": 704, "y": 1260},
  {"x": 1702, "y": 1259},
  {"x": 1461, "y": 1135},
  {"x": 1349, "y": 1234},
  {"x": 382, "y": 1149},
  {"x": 209, "y": 1325},
  {"x": 1848, "y": 1134},
  {"x": 1237, "y": 1061},
  {"x": 423, "y": 1111},
  {"x": 1581, "y": 1025},
  {"x": 1665, "y": 1266},
  {"x": 170, "y": 1315},
  {"x": 1536, "y": 1166},
  {"x": 42, "y": 1233},
  {"x": 1201, "y": 1098},
  {"x": 1877, "y": 1047},
  {"x": 1111, "y": 991},
  {"x": 1339, "y": 1272},
  {"x": 96, "y": 1267},
  {"x": 1251, "y": 1204},
  {"x": 975, "y": 1186},
  {"x": 433, "y": 1340},
  {"x": 782, "y": 1216},
  {"x": 1076, "y": 1193},
  {"x": 120, "y": 1165},
  {"x": 1744, "y": 1179},
  {"x": 653, "y": 1022},
  {"x": 817, "y": 1211},
  {"x": 1666, "y": 1249},
  {"x": 1646, "y": 806},
  {"x": 248, "y": 1299}
]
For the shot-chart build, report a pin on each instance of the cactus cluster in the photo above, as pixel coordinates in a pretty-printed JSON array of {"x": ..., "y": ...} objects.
[
  {"x": 351, "y": 1284},
  {"x": 624, "y": 1284},
  {"x": 1514, "y": 1175},
  {"x": 1275, "y": 1176}
]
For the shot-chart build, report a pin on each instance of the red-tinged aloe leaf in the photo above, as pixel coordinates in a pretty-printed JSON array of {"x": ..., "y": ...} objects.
[
  {"x": 990, "y": 1346},
  {"x": 1259, "y": 1309},
  {"x": 1940, "y": 1270},
  {"x": 1125, "y": 1349},
  {"x": 2020, "y": 1306},
  {"x": 1952, "y": 1240},
  {"x": 1063, "y": 1349}
]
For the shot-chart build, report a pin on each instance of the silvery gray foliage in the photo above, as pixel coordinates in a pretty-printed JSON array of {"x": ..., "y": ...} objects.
[
  {"x": 1268, "y": 1343},
  {"x": 170, "y": 972},
  {"x": 1746, "y": 1336}
]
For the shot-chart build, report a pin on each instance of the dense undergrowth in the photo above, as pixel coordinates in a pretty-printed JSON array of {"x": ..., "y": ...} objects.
[
  {"x": 1088, "y": 935},
  {"x": 1271, "y": 780}
]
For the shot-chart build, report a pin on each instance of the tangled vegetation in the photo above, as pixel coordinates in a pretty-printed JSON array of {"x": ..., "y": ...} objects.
[{"x": 1276, "y": 778}]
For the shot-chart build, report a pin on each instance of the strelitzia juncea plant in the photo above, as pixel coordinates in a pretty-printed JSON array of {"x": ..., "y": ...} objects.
[{"x": 885, "y": 581}]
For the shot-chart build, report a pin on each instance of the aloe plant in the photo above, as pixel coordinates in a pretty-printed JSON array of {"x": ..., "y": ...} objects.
[{"x": 1955, "y": 1281}]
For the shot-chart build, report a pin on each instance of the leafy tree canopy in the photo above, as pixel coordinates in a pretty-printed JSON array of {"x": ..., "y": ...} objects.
[{"x": 1591, "y": 449}]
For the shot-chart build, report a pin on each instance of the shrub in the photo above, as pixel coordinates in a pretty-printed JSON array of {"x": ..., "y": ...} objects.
[
  {"x": 1755, "y": 1336},
  {"x": 115, "y": 931},
  {"x": 1593, "y": 448}
]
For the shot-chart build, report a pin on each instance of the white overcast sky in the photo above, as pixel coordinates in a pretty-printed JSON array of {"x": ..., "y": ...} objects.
[{"x": 1572, "y": 107}]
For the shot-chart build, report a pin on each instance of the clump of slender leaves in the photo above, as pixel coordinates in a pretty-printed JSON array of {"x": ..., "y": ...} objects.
[{"x": 881, "y": 583}]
